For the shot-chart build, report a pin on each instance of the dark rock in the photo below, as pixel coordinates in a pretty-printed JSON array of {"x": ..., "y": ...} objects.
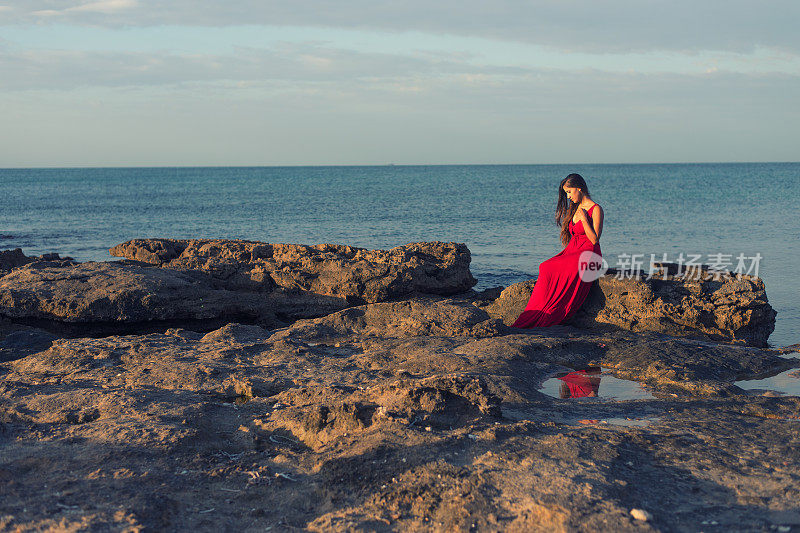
[
  {"x": 13, "y": 258},
  {"x": 441, "y": 400},
  {"x": 17, "y": 341}
]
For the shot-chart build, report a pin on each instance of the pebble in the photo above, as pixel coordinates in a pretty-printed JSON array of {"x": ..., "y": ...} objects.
[{"x": 641, "y": 514}]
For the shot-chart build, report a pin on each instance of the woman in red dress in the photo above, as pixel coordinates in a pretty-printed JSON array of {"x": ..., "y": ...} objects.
[{"x": 564, "y": 280}]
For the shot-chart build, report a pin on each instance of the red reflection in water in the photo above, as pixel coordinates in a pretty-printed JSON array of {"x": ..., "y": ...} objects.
[{"x": 581, "y": 383}]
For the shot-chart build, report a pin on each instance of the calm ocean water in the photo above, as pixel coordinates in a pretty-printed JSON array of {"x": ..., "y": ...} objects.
[{"x": 504, "y": 213}]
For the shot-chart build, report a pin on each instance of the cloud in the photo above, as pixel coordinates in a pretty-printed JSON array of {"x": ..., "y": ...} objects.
[
  {"x": 72, "y": 13},
  {"x": 545, "y": 116},
  {"x": 106, "y": 6},
  {"x": 297, "y": 70},
  {"x": 311, "y": 62},
  {"x": 578, "y": 25},
  {"x": 316, "y": 102}
]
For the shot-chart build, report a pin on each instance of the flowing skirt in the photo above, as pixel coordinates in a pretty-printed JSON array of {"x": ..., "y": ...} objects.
[{"x": 559, "y": 290}]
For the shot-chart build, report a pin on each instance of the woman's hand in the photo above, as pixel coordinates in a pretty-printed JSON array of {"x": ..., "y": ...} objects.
[
  {"x": 595, "y": 229},
  {"x": 583, "y": 216}
]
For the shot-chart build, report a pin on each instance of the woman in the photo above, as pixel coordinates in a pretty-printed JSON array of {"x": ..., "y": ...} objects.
[{"x": 560, "y": 288}]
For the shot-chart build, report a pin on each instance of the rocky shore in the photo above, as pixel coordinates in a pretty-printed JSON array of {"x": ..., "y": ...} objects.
[{"x": 232, "y": 385}]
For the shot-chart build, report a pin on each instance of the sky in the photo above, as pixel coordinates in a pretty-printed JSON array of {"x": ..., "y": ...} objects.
[{"x": 318, "y": 82}]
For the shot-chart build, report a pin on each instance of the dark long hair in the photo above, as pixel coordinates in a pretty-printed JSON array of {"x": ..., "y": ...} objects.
[{"x": 565, "y": 211}]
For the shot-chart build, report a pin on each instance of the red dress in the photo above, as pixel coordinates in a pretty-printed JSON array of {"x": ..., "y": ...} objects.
[
  {"x": 581, "y": 384},
  {"x": 559, "y": 290}
]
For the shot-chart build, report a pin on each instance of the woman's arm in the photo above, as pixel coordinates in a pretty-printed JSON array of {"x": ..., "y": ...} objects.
[{"x": 594, "y": 230}]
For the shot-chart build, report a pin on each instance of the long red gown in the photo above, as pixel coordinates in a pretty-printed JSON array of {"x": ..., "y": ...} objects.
[
  {"x": 581, "y": 384},
  {"x": 559, "y": 290}
]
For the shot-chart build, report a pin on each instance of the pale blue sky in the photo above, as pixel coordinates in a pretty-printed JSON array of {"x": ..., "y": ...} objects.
[{"x": 132, "y": 82}]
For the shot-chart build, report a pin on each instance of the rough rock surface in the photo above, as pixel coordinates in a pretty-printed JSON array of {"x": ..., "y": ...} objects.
[
  {"x": 357, "y": 274},
  {"x": 420, "y": 415},
  {"x": 113, "y": 292},
  {"x": 410, "y": 318},
  {"x": 10, "y": 259},
  {"x": 205, "y": 284},
  {"x": 17, "y": 341},
  {"x": 734, "y": 309}
]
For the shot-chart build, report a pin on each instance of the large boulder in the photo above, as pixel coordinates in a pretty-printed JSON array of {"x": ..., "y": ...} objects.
[
  {"x": 123, "y": 293},
  {"x": 731, "y": 308},
  {"x": 356, "y": 274}
]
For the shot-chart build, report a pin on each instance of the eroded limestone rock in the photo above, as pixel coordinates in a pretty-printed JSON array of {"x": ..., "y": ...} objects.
[
  {"x": 409, "y": 318},
  {"x": 162, "y": 430},
  {"x": 224, "y": 281},
  {"x": 734, "y": 309},
  {"x": 357, "y": 274},
  {"x": 123, "y": 293}
]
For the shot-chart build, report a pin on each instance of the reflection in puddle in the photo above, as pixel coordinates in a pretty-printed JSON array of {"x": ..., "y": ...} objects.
[
  {"x": 593, "y": 382},
  {"x": 786, "y": 383}
]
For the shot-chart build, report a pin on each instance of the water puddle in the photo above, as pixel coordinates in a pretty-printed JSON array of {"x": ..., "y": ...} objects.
[
  {"x": 786, "y": 383},
  {"x": 594, "y": 382}
]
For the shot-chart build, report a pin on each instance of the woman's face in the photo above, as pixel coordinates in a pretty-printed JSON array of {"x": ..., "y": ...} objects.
[{"x": 573, "y": 193}]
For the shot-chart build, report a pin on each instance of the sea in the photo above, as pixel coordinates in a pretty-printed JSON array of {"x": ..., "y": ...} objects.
[{"x": 734, "y": 215}]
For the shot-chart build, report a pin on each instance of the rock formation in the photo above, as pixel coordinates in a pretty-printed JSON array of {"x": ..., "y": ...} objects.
[
  {"x": 356, "y": 274},
  {"x": 419, "y": 414},
  {"x": 205, "y": 284},
  {"x": 390, "y": 416},
  {"x": 211, "y": 282},
  {"x": 411, "y": 318},
  {"x": 733, "y": 308},
  {"x": 118, "y": 293},
  {"x": 10, "y": 259}
]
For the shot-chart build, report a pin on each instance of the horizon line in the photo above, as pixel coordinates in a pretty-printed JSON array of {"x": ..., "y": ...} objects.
[{"x": 382, "y": 165}]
